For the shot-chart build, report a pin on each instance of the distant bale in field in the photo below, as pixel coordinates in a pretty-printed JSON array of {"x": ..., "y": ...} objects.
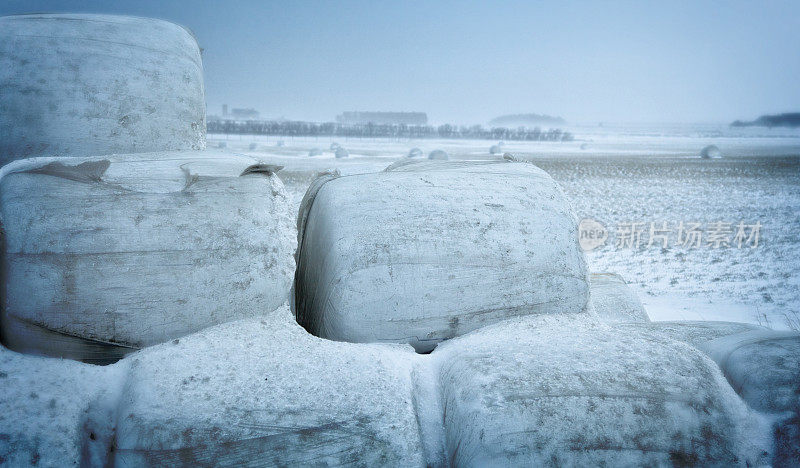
[
  {"x": 335, "y": 146},
  {"x": 438, "y": 155},
  {"x": 414, "y": 153},
  {"x": 253, "y": 146},
  {"x": 341, "y": 153},
  {"x": 495, "y": 149},
  {"x": 222, "y": 144},
  {"x": 315, "y": 152},
  {"x": 280, "y": 143},
  {"x": 710, "y": 152}
]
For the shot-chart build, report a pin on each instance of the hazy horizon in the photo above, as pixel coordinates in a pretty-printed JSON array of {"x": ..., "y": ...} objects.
[{"x": 704, "y": 62}]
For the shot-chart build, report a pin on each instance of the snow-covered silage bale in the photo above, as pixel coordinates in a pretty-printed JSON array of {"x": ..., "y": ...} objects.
[
  {"x": 56, "y": 412},
  {"x": 263, "y": 392},
  {"x": 428, "y": 250},
  {"x": 613, "y": 300},
  {"x": 97, "y": 84},
  {"x": 131, "y": 250},
  {"x": 559, "y": 391},
  {"x": 762, "y": 366}
]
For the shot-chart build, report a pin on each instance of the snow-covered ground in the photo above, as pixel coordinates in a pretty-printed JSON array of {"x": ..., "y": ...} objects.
[{"x": 638, "y": 175}]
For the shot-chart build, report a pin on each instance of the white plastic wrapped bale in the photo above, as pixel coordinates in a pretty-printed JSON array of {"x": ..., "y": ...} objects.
[
  {"x": 429, "y": 250},
  {"x": 127, "y": 251},
  {"x": 263, "y": 392},
  {"x": 613, "y": 300},
  {"x": 564, "y": 391},
  {"x": 763, "y": 367},
  {"x": 55, "y": 412},
  {"x": 98, "y": 84}
]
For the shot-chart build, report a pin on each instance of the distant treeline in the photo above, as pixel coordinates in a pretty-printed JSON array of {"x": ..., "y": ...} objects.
[
  {"x": 778, "y": 120},
  {"x": 311, "y": 129}
]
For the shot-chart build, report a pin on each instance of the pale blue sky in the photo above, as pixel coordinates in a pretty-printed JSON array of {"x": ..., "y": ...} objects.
[{"x": 466, "y": 62}]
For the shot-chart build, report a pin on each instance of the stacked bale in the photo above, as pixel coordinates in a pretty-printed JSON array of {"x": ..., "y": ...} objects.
[
  {"x": 561, "y": 391},
  {"x": 263, "y": 392},
  {"x": 133, "y": 250},
  {"x": 427, "y": 262},
  {"x": 106, "y": 254},
  {"x": 762, "y": 366},
  {"x": 98, "y": 84}
]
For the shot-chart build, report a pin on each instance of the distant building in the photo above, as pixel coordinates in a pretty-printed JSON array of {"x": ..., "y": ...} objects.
[
  {"x": 245, "y": 114},
  {"x": 408, "y": 118}
]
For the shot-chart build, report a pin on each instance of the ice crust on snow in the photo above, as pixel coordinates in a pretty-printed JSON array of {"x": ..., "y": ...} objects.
[
  {"x": 144, "y": 76},
  {"x": 262, "y": 391},
  {"x": 434, "y": 253},
  {"x": 139, "y": 249}
]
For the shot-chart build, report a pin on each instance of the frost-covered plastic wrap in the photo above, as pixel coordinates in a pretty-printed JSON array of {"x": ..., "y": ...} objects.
[
  {"x": 56, "y": 412},
  {"x": 263, "y": 392},
  {"x": 763, "y": 366},
  {"x": 131, "y": 250},
  {"x": 558, "y": 391},
  {"x": 613, "y": 300},
  {"x": 97, "y": 84},
  {"x": 429, "y": 250}
]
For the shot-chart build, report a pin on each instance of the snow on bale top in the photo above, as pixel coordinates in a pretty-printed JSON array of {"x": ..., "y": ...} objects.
[
  {"x": 710, "y": 152},
  {"x": 78, "y": 84},
  {"x": 452, "y": 246},
  {"x": 438, "y": 155},
  {"x": 110, "y": 253}
]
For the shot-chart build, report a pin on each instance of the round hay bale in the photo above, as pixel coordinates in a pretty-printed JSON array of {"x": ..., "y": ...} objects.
[
  {"x": 439, "y": 155},
  {"x": 78, "y": 84},
  {"x": 564, "y": 391},
  {"x": 253, "y": 146},
  {"x": 710, "y": 152},
  {"x": 104, "y": 291},
  {"x": 341, "y": 153},
  {"x": 495, "y": 149},
  {"x": 222, "y": 144},
  {"x": 428, "y": 275},
  {"x": 414, "y": 153}
]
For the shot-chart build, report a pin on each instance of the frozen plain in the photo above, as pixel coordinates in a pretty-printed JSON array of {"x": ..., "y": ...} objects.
[{"x": 620, "y": 175}]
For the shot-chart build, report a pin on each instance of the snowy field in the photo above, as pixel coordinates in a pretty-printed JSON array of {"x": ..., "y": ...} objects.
[{"x": 622, "y": 176}]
